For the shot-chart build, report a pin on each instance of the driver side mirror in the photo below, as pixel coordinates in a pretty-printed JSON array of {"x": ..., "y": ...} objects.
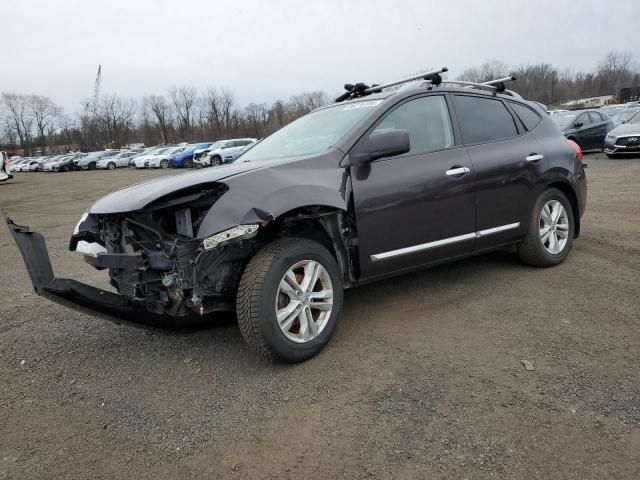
[
  {"x": 577, "y": 125},
  {"x": 383, "y": 144}
]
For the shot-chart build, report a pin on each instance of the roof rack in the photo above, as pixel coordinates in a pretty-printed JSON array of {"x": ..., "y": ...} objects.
[
  {"x": 362, "y": 90},
  {"x": 432, "y": 79}
]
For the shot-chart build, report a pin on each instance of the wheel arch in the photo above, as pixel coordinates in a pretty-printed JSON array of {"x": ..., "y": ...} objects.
[
  {"x": 324, "y": 224},
  {"x": 570, "y": 193}
]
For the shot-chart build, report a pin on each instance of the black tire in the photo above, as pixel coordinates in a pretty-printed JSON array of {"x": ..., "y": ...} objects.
[
  {"x": 111, "y": 166},
  {"x": 188, "y": 163},
  {"x": 215, "y": 161},
  {"x": 65, "y": 168},
  {"x": 531, "y": 250},
  {"x": 256, "y": 297},
  {"x": 164, "y": 163},
  {"x": 92, "y": 166}
]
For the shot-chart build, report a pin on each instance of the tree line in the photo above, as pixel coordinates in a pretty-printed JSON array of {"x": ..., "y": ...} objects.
[{"x": 34, "y": 122}]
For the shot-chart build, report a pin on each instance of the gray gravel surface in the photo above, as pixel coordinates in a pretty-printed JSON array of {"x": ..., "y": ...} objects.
[{"x": 423, "y": 379}]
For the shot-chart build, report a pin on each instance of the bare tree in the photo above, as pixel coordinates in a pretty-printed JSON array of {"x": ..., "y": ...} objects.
[
  {"x": 488, "y": 70},
  {"x": 184, "y": 100},
  {"x": 45, "y": 114},
  {"x": 163, "y": 114},
  {"x": 20, "y": 118}
]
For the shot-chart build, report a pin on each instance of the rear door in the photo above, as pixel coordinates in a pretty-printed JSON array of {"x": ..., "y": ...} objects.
[
  {"x": 416, "y": 208},
  {"x": 507, "y": 161},
  {"x": 599, "y": 123},
  {"x": 585, "y": 132}
]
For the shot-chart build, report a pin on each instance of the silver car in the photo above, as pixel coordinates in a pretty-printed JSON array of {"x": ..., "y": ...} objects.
[{"x": 625, "y": 138}]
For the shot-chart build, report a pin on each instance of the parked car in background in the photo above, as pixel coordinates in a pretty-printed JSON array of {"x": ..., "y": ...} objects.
[
  {"x": 623, "y": 116},
  {"x": 556, "y": 112},
  {"x": 4, "y": 171},
  {"x": 17, "y": 166},
  {"x": 156, "y": 159},
  {"x": 66, "y": 164},
  {"x": 224, "y": 151},
  {"x": 91, "y": 161},
  {"x": 585, "y": 127},
  {"x": 185, "y": 158},
  {"x": 116, "y": 161},
  {"x": 610, "y": 110},
  {"x": 624, "y": 139}
]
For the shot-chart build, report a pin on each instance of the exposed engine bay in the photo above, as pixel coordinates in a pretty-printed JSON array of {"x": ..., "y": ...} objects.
[{"x": 155, "y": 259}]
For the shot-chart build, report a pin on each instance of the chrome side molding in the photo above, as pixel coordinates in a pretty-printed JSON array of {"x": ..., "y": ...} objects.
[{"x": 445, "y": 241}]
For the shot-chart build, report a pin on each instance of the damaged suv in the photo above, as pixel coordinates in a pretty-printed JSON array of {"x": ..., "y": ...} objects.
[{"x": 353, "y": 192}]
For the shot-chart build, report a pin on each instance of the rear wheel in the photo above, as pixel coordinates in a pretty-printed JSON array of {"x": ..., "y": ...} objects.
[
  {"x": 111, "y": 166},
  {"x": 550, "y": 232},
  {"x": 188, "y": 163},
  {"x": 215, "y": 161},
  {"x": 289, "y": 298}
]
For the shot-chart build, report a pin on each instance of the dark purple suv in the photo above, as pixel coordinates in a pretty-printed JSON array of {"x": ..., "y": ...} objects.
[{"x": 353, "y": 192}]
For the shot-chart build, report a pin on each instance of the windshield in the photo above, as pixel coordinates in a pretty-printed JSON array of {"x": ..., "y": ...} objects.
[
  {"x": 160, "y": 151},
  {"x": 564, "y": 119},
  {"x": 611, "y": 110},
  {"x": 635, "y": 118},
  {"x": 311, "y": 134},
  {"x": 624, "y": 116}
]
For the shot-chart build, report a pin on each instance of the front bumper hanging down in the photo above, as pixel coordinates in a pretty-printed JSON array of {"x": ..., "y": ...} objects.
[{"x": 80, "y": 296}]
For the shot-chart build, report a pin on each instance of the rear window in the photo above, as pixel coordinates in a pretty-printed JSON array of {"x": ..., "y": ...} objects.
[
  {"x": 530, "y": 118},
  {"x": 484, "y": 119}
]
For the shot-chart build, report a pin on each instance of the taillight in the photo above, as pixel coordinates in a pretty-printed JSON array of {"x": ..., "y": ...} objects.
[{"x": 576, "y": 148}]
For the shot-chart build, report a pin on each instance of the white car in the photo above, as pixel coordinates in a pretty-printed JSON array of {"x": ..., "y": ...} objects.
[
  {"x": 157, "y": 159},
  {"x": 4, "y": 173},
  {"x": 224, "y": 151},
  {"x": 119, "y": 160}
]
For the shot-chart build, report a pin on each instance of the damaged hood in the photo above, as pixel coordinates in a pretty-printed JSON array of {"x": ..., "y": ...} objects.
[{"x": 139, "y": 195}]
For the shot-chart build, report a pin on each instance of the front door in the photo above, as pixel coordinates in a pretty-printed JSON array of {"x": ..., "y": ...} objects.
[{"x": 418, "y": 207}]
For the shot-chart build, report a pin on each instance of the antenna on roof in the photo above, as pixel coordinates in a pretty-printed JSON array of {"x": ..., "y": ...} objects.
[{"x": 361, "y": 90}]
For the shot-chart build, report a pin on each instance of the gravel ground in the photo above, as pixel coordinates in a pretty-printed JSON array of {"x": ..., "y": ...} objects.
[{"x": 423, "y": 379}]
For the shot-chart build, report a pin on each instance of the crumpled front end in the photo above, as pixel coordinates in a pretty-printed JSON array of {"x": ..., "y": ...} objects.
[{"x": 164, "y": 274}]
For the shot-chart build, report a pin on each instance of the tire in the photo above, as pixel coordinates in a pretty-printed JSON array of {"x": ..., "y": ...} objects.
[
  {"x": 111, "y": 166},
  {"x": 188, "y": 163},
  {"x": 65, "y": 168},
  {"x": 215, "y": 161},
  {"x": 92, "y": 166},
  {"x": 164, "y": 163},
  {"x": 260, "y": 295},
  {"x": 537, "y": 251}
]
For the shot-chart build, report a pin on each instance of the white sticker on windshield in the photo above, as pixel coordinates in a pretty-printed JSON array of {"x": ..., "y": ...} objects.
[{"x": 370, "y": 103}]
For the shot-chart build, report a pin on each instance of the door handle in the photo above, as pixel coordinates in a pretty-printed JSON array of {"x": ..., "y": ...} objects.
[
  {"x": 534, "y": 157},
  {"x": 457, "y": 171}
]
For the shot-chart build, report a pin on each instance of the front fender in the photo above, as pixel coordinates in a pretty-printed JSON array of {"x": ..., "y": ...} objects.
[{"x": 276, "y": 190}]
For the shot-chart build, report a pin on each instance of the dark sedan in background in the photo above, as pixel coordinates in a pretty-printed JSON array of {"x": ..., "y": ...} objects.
[{"x": 588, "y": 128}]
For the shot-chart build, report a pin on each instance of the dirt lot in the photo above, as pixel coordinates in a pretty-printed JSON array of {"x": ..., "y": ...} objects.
[{"x": 423, "y": 378}]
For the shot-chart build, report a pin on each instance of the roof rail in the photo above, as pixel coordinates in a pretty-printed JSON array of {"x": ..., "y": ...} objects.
[{"x": 432, "y": 79}]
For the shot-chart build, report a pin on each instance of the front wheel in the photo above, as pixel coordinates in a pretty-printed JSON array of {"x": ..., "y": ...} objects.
[
  {"x": 65, "y": 168},
  {"x": 111, "y": 166},
  {"x": 164, "y": 163},
  {"x": 215, "y": 161},
  {"x": 550, "y": 232},
  {"x": 289, "y": 298}
]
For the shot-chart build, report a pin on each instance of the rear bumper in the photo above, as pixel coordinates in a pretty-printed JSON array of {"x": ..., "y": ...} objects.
[{"x": 80, "y": 296}]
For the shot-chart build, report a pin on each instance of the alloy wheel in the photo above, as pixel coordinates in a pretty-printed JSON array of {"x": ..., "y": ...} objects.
[
  {"x": 304, "y": 301},
  {"x": 554, "y": 227}
]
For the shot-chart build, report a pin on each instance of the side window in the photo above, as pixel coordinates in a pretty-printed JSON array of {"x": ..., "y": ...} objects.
[
  {"x": 484, "y": 119},
  {"x": 530, "y": 118},
  {"x": 583, "y": 119},
  {"x": 595, "y": 117},
  {"x": 427, "y": 121}
]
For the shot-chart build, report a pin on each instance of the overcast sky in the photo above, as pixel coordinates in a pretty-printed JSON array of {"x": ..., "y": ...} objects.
[{"x": 266, "y": 50}]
